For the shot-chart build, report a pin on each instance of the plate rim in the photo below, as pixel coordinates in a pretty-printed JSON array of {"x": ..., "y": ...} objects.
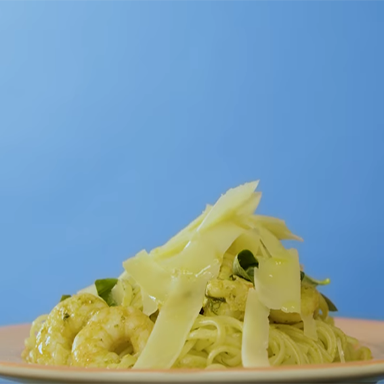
[
  {"x": 359, "y": 369},
  {"x": 338, "y": 372}
]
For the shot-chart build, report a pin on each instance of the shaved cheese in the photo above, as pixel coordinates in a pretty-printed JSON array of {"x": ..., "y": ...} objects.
[
  {"x": 149, "y": 275},
  {"x": 248, "y": 240},
  {"x": 174, "y": 322},
  {"x": 250, "y": 205},
  {"x": 190, "y": 228},
  {"x": 122, "y": 293},
  {"x": 177, "y": 243},
  {"x": 205, "y": 249},
  {"x": 272, "y": 243},
  {"x": 309, "y": 326},
  {"x": 254, "y": 350},
  {"x": 340, "y": 350},
  {"x": 229, "y": 203},
  {"x": 124, "y": 275},
  {"x": 276, "y": 227},
  {"x": 240, "y": 201},
  {"x": 91, "y": 289},
  {"x": 277, "y": 281},
  {"x": 169, "y": 250},
  {"x": 150, "y": 304}
]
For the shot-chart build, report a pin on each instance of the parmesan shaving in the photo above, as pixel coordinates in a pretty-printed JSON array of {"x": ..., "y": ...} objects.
[
  {"x": 90, "y": 289},
  {"x": 177, "y": 243},
  {"x": 205, "y": 249},
  {"x": 150, "y": 304},
  {"x": 229, "y": 203},
  {"x": 277, "y": 281},
  {"x": 174, "y": 322},
  {"x": 310, "y": 329},
  {"x": 254, "y": 351},
  {"x": 149, "y": 275},
  {"x": 248, "y": 240},
  {"x": 276, "y": 227}
]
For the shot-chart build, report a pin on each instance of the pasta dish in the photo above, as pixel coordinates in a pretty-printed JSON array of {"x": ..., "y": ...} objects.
[{"x": 224, "y": 292}]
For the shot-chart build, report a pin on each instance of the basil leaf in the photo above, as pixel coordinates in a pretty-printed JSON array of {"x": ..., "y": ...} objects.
[
  {"x": 332, "y": 307},
  {"x": 64, "y": 297},
  {"x": 244, "y": 265},
  {"x": 104, "y": 288},
  {"x": 307, "y": 279}
]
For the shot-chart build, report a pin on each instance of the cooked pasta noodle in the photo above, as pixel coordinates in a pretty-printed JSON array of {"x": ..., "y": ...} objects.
[{"x": 215, "y": 342}]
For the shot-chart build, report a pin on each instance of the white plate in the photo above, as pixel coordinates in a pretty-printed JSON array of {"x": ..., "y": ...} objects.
[{"x": 370, "y": 333}]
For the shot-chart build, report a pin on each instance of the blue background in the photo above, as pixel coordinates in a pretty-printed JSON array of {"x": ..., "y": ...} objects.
[{"x": 119, "y": 121}]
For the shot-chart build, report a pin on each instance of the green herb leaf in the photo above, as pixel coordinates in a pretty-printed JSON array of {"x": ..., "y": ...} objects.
[
  {"x": 244, "y": 265},
  {"x": 332, "y": 307},
  {"x": 307, "y": 279},
  {"x": 104, "y": 288},
  {"x": 64, "y": 297}
]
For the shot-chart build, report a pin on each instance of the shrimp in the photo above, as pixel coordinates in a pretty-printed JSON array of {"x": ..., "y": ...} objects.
[
  {"x": 226, "y": 297},
  {"x": 234, "y": 292},
  {"x": 113, "y": 338},
  {"x": 54, "y": 340}
]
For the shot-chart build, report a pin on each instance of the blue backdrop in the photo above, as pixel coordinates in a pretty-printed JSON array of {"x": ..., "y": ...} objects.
[{"x": 119, "y": 121}]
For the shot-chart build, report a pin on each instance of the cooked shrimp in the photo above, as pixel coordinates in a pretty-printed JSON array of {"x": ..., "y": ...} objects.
[
  {"x": 54, "y": 340},
  {"x": 234, "y": 292},
  {"x": 113, "y": 338},
  {"x": 226, "y": 297}
]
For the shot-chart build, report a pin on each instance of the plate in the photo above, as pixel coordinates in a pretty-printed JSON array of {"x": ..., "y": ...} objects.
[{"x": 370, "y": 333}]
